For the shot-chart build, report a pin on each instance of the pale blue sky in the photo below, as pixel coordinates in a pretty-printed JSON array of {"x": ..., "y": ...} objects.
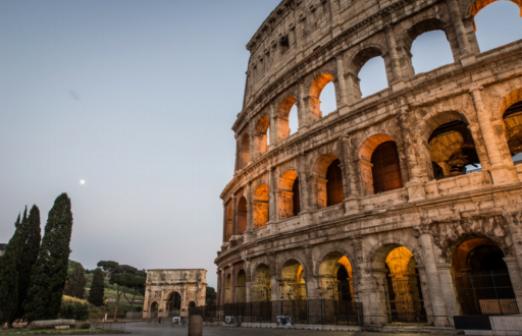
[{"x": 137, "y": 98}]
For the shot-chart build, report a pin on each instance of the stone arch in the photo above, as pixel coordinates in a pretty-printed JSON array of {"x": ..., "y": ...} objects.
[
  {"x": 361, "y": 59},
  {"x": 329, "y": 181},
  {"x": 482, "y": 278},
  {"x": 243, "y": 151},
  {"x": 512, "y": 117},
  {"x": 288, "y": 195},
  {"x": 316, "y": 89},
  {"x": 229, "y": 220},
  {"x": 336, "y": 277},
  {"x": 286, "y": 112},
  {"x": 241, "y": 216},
  {"x": 380, "y": 164},
  {"x": 261, "y": 205},
  {"x": 240, "y": 288},
  {"x": 262, "y": 134},
  {"x": 431, "y": 25},
  {"x": 154, "y": 309},
  {"x": 293, "y": 281},
  {"x": 477, "y": 5},
  {"x": 174, "y": 304},
  {"x": 450, "y": 145},
  {"x": 396, "y": 267},
  {"x": 261, "y": 283}
]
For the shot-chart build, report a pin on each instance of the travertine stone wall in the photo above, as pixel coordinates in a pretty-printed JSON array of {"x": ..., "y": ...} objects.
[{"x": 301, "y": 46}]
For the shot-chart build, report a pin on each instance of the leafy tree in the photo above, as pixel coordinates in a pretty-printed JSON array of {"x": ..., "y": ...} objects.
[
  {"x": 9, "y": 276},
  {"x": 210, "y": 297},
  {"x": 49, "y": 273},
  {"x": 97, "y": 290},
  {"x": 30, "y": 229},
  {"x": 75, "y": 283},
  {"x": 124, "y": 275}
]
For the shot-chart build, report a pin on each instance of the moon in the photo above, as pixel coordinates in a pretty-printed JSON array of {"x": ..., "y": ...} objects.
[{"x": 82, "y": 182}]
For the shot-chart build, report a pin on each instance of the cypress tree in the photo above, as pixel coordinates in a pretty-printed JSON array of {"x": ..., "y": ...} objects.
[
  {"x": 97, "y": 288},
  {"x": 50, "y": 271},
  {"x": 30, "y": 229},
  {"x": 9, "y": 276},
  {"x": 75, "y": 283}
]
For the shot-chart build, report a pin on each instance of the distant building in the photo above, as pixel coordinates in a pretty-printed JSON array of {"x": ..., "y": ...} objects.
[
  {"x": 2, "y": 249},
  {"x": 170, "y": 292}
]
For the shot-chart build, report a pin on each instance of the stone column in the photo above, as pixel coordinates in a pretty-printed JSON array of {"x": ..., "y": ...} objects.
[
  {"x": 342, "y": 100},
  {"x": 501, "y": 170},
  {"x": 400, "y": 59},
  {"x": 304, "y": 190},
  {"x": 353, "y": 90},
  {"x": 516, "y": 278},
  {"x": 273, "y": 127},
  {"x": 303, "y": 109},
  {"x": 440, "y": 314},
  {"x": 250, "y": 208},
  {"x": 371, "y": 290},
  {"x": 273, "y": 174},
  {"x": 449, "y": 292}
]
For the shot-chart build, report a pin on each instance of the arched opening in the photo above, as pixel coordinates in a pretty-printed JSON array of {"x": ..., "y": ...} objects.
[
  {"x": 323, "y": 98},
  {"x": 430, "y": 47},
  {"x": 241, "y": 287},
  {"x": 243, "y": 151},
  {"x": 452, "y": 149},
  {"x": 482, "y": 278},
  {"x": 228, "y": 289},
  {"x": 497, "y": 23},
  {"x": 288, "y": 198},
  {"x": 386, "y": 169},
  {"x": 329, "y": 181},
  {"x": 513, "y": 124},
  {"x": 293, "y": 281},
  {"x": 229, "y": 220},
  {"x": 405, "y": 302},
  {"x": 261, "y": 288},
  {"x": 241, "y": 216},
  {"x": 154, "y": 310},
  {"x": 372, "y": 76},
  {"x": 174, "y": 304},
  {"x": 334, "y": 183},
  {"x": 261, "y": 205},
  {"x": 287, "y": 118},
  {"x": 262, "y": 134}
]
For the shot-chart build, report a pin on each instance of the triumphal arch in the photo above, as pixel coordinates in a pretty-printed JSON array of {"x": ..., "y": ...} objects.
[
  {"x": 400, "y": 205},
  {"x": 172, "y": 292}
]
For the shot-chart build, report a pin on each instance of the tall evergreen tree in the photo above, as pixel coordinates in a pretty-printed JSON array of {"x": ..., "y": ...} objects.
[
  {"x": 97, "y": 288},
  {"x": 75, "y": 283},
  {"x": 50, "y": 271},
  {"x": 30, "y": 229},
  {"x": 9, "y": 276}
]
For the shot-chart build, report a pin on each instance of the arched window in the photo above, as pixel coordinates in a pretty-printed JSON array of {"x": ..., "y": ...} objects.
[
  {"x": 430, "y": 47},
  {"x": 513, "y": 124},
  {"x": 452, "y": 150},
  {"x": 261, "y": 205},
  {"x": 243, "y": 151},
  {"x": 497, "y": 23},
  {"x": 262, "y": 134},
  {"x": 229, "y": 220},
  {"x": 386, "y": 169},
  {"x": 372, "y": 76},
  {"x": 329, "y": 181},
  {"x": 288, "y": 197},
  {"x": 334, "y": 184},
  {"x": 287, "y": 118},
  {"x": 241, "y": 216},
  {"x": 323, "y": 98}
]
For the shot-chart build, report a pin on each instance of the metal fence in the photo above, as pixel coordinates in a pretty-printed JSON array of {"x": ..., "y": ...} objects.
[{"x": 296, "y": 311}]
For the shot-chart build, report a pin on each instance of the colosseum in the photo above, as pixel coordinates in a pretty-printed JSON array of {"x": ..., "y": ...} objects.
[{"x": 404, "y": 205}]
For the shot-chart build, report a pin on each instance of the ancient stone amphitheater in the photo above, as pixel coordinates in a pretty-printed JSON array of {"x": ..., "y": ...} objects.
[{"x": 400, "y": 206}]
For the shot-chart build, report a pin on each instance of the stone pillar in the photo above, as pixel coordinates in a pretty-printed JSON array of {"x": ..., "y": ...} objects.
[
  {"x": 371, "y": 290},
  {"x": 400, "y": 59},
  {"x": 501, "y": 170},
  {"x": 440, "y": 314},
  {"x": 304, "y": 190},
  {"x": 516, "y": 279},
  {"x": 466, "y": 47},
  {"x": 353, "y": 90},
  {"x": 302, "y": 107},
  {"x": 250, "y": 208},
  {"x": 273, "y": 127},
  {"x": 449, "y": 292},
  {"x": 342, "y": 100}
]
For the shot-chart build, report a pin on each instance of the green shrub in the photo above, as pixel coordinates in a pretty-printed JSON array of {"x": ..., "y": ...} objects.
[{"x": 74, "y": 310}]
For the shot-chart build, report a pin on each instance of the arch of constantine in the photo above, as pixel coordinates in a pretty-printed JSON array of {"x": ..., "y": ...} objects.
[{"x": 406, "y": 204}]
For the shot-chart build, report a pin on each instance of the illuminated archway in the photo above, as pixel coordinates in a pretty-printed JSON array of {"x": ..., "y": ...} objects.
[
  {"x": 329, "y": 181},
  {"x": 287, "y": 118},
  {"x": 241, "y": 216},
  {"x": 261, "y": 205},
  {"x": 288, "y": 197},
  {"x": 262, "y": 134},
  {"x": 513, "y": 123},
  {"x": 322, "y": 95},
  {"x": 261, "y": 288},
  {"x": 293, "y": 284}
]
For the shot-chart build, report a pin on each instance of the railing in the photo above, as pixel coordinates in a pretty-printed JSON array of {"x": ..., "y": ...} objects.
[{"x": 297, "y": 311}]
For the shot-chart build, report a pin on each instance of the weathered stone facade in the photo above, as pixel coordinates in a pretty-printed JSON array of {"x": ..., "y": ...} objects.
[
  {"x": 402, "y": 190},
  {"x": 170, "y": 292}
]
